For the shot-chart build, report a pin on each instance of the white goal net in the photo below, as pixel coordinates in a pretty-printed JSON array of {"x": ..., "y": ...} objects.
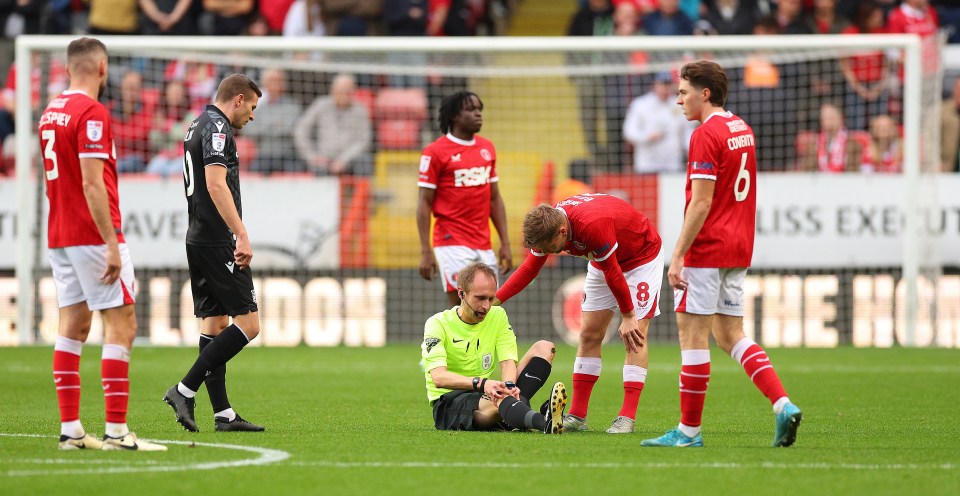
[{"x": 858, "y": 234}]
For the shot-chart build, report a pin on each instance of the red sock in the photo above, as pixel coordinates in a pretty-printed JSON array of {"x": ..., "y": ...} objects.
[
  {"x": 114, "y": 368},
  {"x": 631, "y": 398},
  {"x": 757, "y": 366},
  {"x": 582, "y": 387},
  {"x": 66, "y": 377},
  {"x": 693, "y": 391}
]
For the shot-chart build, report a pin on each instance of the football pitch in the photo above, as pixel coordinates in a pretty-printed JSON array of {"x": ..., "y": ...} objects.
[{"x": 356, "y": 421}]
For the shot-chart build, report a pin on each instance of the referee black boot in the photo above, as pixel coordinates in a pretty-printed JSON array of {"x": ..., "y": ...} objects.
[
  {"x": 182, "y": 407},
  {"x": 238, "y": 424}
]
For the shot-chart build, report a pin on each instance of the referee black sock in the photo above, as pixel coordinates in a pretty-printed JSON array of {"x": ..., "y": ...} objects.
[
  {"x": 533, "y": 376},
  {"x": 518, "y": 415},
  {"x": 216, "y": 381},
  {"x": 223, "y": 347}
]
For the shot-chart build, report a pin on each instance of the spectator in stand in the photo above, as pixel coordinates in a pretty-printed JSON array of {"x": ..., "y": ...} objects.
[
  {"x": 131, "y": 122},
  {"x": 595, "y": 18},
  {"x": 24, "y": 17},
  {"x": 275, "y": 126},
  {"x": 228, "y": 17},
  {"x": 259, "y": 26},
  {"x": 449, "y": 18},
  {"x": 405, "y": 17},
  {"x": 950, "y": 131},
  {"x": 619, "y": 89},
  {"x": 883, "y": 152},
  {"x": 834, "y": 150},
  {"x": 298, "y": 23},
  {"x": 789, "y": 15},
  {"x": 728, "y": 17},
  {"x": 166, "y": 136},
  {"x": 866, "y": 73},
  {"x": 56, "y": 83},
  {"x": 657, "y": 129},
  {"x": 826, "y": 78},
  {"x": 275, "y": 13},
  {"x": 350, "y": 17},
  {"x": 667, "y": 20},
  {"x": 113, "y": 17},
  {"x": 168, "y": 18},
  {"x": 333, "y": 136},
  {"x": 948, "y": 12}
]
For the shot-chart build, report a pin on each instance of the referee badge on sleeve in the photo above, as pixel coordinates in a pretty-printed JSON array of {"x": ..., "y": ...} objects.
[{"x": 218, "y": 140}]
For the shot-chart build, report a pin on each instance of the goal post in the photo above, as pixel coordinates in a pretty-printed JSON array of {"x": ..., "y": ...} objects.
[{"x": 543, "y": 119}]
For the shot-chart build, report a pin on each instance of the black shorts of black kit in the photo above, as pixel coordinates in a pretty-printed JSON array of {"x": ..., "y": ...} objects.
[{"x": 219, "y": 286}]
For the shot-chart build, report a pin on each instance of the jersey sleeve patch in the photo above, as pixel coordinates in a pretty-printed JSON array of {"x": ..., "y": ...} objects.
[
  {"x": 94, "y": 130},
  {"x": 218, "y": 141}
]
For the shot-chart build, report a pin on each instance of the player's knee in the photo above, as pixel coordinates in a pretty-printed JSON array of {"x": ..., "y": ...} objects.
[
  {"x": 591, "y": 339},
  {"x": 544, "y": 349}
]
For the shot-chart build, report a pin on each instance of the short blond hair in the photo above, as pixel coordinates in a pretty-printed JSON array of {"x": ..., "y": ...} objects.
[
  {"x": 467, "y": 274},
  {"x": 542, "y": 223}
]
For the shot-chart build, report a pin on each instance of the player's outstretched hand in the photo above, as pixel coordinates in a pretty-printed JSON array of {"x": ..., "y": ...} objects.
[
  {"x": 243, "y": 254},
  {"x": 112, "y": 272},
  {"x": 675, "y": 274},
  {"x": 428, "y": 266},
  {"x": 630, "y": 333},
  {"x": 506, "y": 259}
]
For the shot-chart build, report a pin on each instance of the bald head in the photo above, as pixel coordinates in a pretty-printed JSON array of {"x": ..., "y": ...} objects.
[
  {"x": 273, "y": 82},
  {"x": 342, "y": 90}
]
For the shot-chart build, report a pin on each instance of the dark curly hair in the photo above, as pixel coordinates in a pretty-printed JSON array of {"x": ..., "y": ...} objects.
[{"x": 451, "y": 106}]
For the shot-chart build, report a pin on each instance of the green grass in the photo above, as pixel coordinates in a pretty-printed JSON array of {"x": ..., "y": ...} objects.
[{"x": 356, "y": 421}]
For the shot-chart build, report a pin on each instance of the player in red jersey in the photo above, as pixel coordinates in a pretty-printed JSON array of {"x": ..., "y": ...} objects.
[
  {"x": 90, "y": 261},
  {"x": 625, "y": 271},
  {"x": 711, "y": 257},
  {"x": 458, "y": 184}
]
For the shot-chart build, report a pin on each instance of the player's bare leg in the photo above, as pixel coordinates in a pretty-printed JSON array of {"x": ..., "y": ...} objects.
[
  {"x": 694, "y": 377},
  {"x": 453, "y": 298},
  {"x": 587, "y": 366},
  {"x": 728, "y": 332},
  {"x": 120, "y": 329},
  {"x": 74, "y": 328},
  {"x": 634, "y": 378}
]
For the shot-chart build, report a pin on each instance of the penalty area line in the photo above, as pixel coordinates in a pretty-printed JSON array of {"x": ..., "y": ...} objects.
[
  {"x": 621, "y": 465},
  {"x": 266, "y": 456}
]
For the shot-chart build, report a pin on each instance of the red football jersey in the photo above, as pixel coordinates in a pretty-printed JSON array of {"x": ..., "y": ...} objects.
[
  {"x": 72, "y": 127},
  {"x": 606, "y": 230},
  {"x": 723, "y": 149},
  {"x": 461, "y": 172}
]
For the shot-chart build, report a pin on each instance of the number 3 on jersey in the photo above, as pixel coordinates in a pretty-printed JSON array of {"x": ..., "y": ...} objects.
[
  {"x": 48, "y": 136},
  {"x": 741, "y": 188}
]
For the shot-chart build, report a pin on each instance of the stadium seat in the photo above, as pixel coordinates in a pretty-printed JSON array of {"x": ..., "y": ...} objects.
[
  {"x": 401, "y": 103},
  {"x": 398, "y": 134}
]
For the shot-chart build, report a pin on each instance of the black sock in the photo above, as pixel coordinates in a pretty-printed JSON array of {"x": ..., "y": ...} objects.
[
  {"x": 224, "y": 347},
  {"x": 518, "y": 415},
  {"x": 533, "y": 376},
  {"x": 216, "y": 381}
]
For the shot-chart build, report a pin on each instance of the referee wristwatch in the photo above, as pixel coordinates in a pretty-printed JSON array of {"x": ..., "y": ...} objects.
[{"x": 476, "y": 383}]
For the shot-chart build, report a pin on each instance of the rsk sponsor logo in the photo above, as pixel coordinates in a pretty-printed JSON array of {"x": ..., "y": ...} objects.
[{"x": 474, "y": 176}]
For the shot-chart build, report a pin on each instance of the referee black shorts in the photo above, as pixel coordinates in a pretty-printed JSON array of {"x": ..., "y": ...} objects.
[
  {"x": 454, "y": 410},
  {"x": 219, "y": 286}
]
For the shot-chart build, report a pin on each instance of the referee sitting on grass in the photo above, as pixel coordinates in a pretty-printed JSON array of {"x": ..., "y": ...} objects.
[{"x": 460, "y": 346}]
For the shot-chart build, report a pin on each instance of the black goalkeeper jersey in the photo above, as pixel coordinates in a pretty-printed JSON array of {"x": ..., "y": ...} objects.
[{"x": 209, "y": 143}]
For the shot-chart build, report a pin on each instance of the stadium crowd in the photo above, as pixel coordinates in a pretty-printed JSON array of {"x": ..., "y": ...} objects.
[{"x": 831, "y": 115}]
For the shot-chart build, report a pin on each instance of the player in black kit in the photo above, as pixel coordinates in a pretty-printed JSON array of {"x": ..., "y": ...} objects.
[{"x": 218, "y": 252}]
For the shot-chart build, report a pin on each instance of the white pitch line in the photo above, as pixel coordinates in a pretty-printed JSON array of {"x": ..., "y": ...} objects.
[
  {"x": 267, "y": 456},
  {"x": 620, "y": 465}
]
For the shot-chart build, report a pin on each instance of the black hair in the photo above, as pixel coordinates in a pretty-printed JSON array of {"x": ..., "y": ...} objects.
[{"x": 451, "y": 106}]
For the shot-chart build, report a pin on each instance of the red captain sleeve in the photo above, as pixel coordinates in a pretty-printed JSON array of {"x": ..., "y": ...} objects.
[
  {"x": 523, "y": 276},
  {"x": 617, "y": 283}
]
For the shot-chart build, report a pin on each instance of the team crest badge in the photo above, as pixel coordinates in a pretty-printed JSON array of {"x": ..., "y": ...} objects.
[
  {"x": 94, "y": 130},
  {"x": 580, "y": 246},
  {"x": 487, "y": 361},
  {"x": 485, "y": 154},
  {"x": 219, "y": 141}
]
